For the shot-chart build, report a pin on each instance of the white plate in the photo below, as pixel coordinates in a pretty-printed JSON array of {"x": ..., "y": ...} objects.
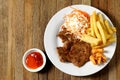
[{"x": 51, "y": 41}]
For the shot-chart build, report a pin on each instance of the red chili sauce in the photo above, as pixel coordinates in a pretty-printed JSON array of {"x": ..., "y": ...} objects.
[{"x": 34, "y": 60}]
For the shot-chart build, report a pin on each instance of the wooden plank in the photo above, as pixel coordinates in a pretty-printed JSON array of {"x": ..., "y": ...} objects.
[
  {"x": 52, "y": 4},
  {"x": 75, "y": 78},
  {"x": 43, "y": 20},
  {"x": 29, "y": 33},
  {"x": 112, "y": 64},
  {"x": 76, "y": 2},
  {"x": 10, "y": 68},
  {"x": 1, "y": 41},
  {"x": 95, "y": 76},
  {"x": 95, "y": 3},
  {"x": 52, "y": 8},
  {"x": 3, "y": 38},
  {"x": 103, "y": 5},
  {"x": 36, "y": 28},
  {"x": 28, "y": 17},
  {"x": 58, "y": 75},
  {"x": 104, "y": 73},
  {"x": 86, "y": 2},
  {"x": 18, "y": 26},
  {"x": 51, "y": 71},
  {"x": 63, "y": 3}
]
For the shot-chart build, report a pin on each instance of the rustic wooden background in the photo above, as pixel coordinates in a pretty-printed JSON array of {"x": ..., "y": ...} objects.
[{"x": 22, "y": 26}]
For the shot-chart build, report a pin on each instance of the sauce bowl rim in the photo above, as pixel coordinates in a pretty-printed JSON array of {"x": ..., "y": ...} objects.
[{"x": 30, "y": 51}]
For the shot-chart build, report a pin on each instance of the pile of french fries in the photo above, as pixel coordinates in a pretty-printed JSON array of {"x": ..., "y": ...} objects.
[{"x": 99, "y": 35}]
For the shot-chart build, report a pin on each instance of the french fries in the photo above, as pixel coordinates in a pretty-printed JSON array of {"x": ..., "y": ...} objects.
[
  {"x": 94, "y": 25},
  {"x": 97, "y": 56},
  {"x": 100, "y": 35},
  {"x": 102, "y": 21},
  {"x": 109, "y": 29},
  {"x": 92, "y": 40}
]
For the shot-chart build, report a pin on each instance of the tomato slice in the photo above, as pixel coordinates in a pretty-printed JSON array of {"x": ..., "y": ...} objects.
[{"x": 82, "y": 12}]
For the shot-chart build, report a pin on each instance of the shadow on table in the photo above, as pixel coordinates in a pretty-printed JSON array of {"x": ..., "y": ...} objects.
[{"x": 47, "y": 66}]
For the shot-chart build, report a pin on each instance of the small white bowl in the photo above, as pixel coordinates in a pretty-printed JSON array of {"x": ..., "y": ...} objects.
[{"x": 30, "y": 51}]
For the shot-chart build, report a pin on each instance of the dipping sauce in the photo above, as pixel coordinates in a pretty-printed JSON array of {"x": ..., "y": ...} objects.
[{"x": 34, "y": 60}]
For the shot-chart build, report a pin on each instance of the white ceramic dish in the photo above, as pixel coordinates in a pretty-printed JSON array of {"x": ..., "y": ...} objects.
[
  {"x": 51, "y": 41},
  {"x": 27, "y": 53}
]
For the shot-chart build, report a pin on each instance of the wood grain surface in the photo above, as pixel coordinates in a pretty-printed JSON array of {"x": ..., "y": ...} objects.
[{"x": 22, "y": 26}]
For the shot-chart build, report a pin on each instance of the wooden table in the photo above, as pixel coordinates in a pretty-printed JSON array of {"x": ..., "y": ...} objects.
[{"x": 22, "y": 26}]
